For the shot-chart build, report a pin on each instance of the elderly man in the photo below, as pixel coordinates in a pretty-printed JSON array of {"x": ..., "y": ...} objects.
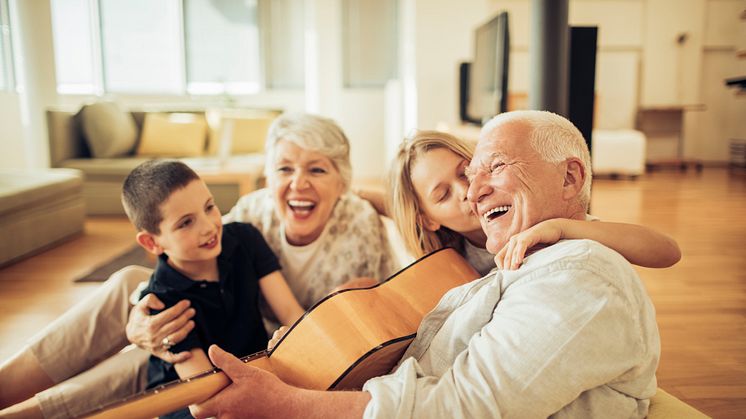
[{"x": 571, "y": 333}]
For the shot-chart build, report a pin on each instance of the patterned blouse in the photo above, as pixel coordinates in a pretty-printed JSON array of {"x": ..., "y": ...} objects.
[{"x": 353, "y": 244}]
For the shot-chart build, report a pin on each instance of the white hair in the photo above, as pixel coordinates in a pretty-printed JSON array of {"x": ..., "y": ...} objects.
[
  {"x": 552, "y": 136},
  {"x": 313, "y": 133}
]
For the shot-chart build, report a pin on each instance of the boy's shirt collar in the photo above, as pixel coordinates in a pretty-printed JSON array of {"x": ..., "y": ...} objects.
[{"x": 169, "y": 277}]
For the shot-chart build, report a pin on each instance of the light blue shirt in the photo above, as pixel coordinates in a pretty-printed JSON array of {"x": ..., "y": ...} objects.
[{"x": 572, "y": 333}]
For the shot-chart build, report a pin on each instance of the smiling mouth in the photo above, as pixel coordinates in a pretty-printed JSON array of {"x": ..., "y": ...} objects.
[
  {"x": 496, "y": 212},
  {"x": 211, "y": 243},
  {"x": 301, "y": 207}
]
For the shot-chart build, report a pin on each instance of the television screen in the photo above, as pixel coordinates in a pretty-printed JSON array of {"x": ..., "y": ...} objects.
[{"x": 488, "y": 78}]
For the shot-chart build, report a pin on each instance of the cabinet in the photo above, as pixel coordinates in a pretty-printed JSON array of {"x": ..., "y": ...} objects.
[{"x": 664, "y": 129}]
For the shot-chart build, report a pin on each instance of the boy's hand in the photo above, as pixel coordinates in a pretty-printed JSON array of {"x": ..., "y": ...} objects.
[
  {"x": 157, "y": 333},
  {"x": 511, "y": 255},
  {"x": 276, "y": 336}
]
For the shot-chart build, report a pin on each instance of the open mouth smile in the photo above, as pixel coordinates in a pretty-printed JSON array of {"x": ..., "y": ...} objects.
[
  {"x": 211, "y": 242},
  {"x": 496, "y": 212},
  {"x": 301, "y": 207}
]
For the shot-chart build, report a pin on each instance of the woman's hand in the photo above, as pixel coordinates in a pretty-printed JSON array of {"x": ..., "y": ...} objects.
[
  {"x": 157, "y": 333},
  {"x": 360, "y": 282},
  {"x": 511, "y": 255},
  {"x": 276, "y": 336}
]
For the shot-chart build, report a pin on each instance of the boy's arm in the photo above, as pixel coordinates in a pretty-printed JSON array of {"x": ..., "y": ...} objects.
[
  {"x": 280, "y": 298},
  {"x": 639, "y": 245},
  {"x": 196, "y": 364}
]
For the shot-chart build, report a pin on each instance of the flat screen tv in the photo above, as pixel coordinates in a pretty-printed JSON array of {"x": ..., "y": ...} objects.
[{"x": 488, "y": 73}]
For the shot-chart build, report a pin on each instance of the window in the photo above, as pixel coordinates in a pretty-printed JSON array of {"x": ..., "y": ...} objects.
[
  {"x": 157, "y": 47},
  {"x": 141, "y": 46},
  {"x": 222, "y": 46},
  {"x": 283, "y": 43},
  {"x": 370, "y": 42},
  {"x": 72, "y": 33},
  {"x": 6, "y": 57}
]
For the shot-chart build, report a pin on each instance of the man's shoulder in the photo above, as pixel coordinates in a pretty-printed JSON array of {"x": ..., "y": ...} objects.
[{"x": 584, "y": 255}]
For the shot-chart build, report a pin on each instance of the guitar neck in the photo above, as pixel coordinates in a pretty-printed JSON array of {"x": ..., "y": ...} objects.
[{"x": 174, "y": 395}]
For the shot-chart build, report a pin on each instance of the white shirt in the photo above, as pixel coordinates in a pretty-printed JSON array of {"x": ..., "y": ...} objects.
[{"x": 571, "y": 333}]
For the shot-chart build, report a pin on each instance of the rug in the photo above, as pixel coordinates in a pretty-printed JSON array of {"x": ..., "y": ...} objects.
[{"x": 135, "y": 255}]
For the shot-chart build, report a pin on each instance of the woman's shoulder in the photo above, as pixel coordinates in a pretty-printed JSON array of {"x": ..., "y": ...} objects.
[{"x": 353, "y": 206}]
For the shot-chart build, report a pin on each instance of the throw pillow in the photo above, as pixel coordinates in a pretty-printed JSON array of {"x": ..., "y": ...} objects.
[
  {"x": 246, "y": 135},
  {"x": 173, "y": 135},
  {"x": 109, "y": 130}
]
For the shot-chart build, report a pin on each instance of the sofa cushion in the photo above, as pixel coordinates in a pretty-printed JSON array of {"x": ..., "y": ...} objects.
[
  {"x": 173, "y": 135},
  {"x": 108, "y": 130},
  {"x": 246, "y": 134},
  {"x": 21, "y": 189}
]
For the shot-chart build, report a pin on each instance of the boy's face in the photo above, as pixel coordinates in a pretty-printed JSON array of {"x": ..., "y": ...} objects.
[{"x": 191, "y": 228}]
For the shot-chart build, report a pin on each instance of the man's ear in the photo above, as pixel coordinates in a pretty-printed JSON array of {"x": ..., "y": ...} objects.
[
  {"x": 148, "y": 242},
  {"x": 429, "y": 224},
  {"x": 574, "y": 178}
]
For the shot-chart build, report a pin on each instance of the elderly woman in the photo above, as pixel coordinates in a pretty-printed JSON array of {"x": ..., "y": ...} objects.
[{"x": 324, "y": 237}]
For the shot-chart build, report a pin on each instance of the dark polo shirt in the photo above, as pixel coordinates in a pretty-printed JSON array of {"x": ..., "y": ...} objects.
[{"x": 227, "y": 311}]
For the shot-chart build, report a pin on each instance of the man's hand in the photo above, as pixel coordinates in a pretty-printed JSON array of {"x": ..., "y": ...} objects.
[
  {"x": 253, "y": 392},
  {"x": 512, "y": 254},
  {"x": 169, "y": 326}
]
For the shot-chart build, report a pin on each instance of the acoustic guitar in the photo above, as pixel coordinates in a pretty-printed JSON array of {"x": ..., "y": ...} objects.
[{"x": 342, "y": 341}]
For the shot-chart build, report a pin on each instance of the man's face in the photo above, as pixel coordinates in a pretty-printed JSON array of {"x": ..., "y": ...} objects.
[{"x": 511, "y": 187}]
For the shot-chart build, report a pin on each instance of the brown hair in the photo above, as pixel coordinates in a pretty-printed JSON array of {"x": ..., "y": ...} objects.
[{"x": 148, "y": 186}]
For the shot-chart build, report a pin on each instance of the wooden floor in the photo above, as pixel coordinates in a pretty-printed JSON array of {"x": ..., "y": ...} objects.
[{"x": 700, "y": 303}]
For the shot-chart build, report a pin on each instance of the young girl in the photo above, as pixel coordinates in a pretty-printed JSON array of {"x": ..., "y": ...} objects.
[{"x": 427, "y": 201}]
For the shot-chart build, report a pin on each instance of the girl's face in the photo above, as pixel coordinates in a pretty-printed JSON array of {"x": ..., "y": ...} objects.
[{"x": 441, "y": 185}]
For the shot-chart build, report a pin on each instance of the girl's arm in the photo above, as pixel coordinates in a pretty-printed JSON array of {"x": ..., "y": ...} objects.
[
  {"x": 280, "y": 299},
  {"x": 639, "y": 245},
  {"x": 376, "y": 197}
]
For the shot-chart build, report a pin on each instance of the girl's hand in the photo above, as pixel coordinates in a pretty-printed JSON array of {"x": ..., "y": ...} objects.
[
  {"x": 511, "y": 256},
  {"x": 276, "y": 336}
]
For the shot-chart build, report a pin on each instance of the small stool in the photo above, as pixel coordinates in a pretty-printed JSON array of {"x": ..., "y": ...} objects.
[
  {"x": 618, "y": 152},
  {"x": 38, "y": 208}
]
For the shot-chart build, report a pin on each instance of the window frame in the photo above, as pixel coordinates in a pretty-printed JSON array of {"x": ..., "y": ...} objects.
[
  {"x": 99, "y": 85},
  {"x": 9, "y": 82}
]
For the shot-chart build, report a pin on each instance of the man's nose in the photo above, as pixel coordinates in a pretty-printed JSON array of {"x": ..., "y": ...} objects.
[{"x": 478, "y": 189}]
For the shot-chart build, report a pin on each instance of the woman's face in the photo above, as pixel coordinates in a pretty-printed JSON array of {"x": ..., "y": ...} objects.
[
  {"x": 441, "y": 186},
  {"x": 305, "y": 186}
]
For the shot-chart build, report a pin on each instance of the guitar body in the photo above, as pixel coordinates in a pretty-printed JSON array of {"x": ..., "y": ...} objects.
[{"x": 341, "y": 342}]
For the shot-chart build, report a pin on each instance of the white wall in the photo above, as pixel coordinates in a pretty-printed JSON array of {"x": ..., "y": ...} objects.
[{"x": 12, "y": 149}]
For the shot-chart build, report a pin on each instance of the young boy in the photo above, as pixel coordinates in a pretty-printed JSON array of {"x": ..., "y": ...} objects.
[{"x": 220, "y": 269}]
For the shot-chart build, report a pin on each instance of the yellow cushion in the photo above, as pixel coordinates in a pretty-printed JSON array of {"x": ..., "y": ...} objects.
[
  {"x": 666, "y": 406},
  {"x": 173, "y": 135},
  {"x": 246, "y": 133}
]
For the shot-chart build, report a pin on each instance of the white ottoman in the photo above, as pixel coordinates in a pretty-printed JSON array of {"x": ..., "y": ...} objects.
[
  {"x": 38, "y": 208},
  {"x": 618, "y": 152}
]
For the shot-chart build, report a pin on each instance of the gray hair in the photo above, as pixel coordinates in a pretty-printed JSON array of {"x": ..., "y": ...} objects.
[
  {"x": 313, "y": 133},
  {"x": 554, "y": 138}
]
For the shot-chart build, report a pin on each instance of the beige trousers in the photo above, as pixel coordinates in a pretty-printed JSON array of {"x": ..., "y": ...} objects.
[{"x": 86, "y": 353}]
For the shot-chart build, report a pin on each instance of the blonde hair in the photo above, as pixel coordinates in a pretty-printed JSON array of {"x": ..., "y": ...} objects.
[
  {"x": 314, "y": 133},
  {"x": 403, "y": 203},
  {"x": 555, "y": 139}
]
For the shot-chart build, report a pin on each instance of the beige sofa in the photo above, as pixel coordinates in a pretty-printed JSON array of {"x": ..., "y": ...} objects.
[
  {"x": 38, "y": 208},
  {"x": 103, "y": 177}
]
